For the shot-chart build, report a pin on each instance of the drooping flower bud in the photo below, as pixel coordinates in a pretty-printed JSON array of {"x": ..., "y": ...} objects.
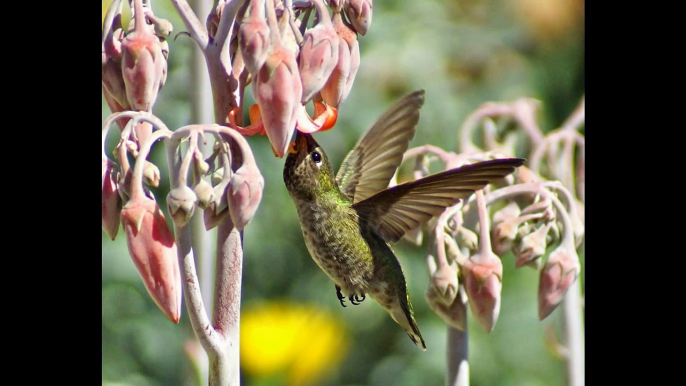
[
  {"x": 505, "y": 225},
  {"x": 338, "y": 86},
  {"x": 201, "y": 166},
  {"x": 111, "y": 201},
  {"x": 205, "y": 193},
  {"x": 217, "y": 210},
  {"x": 245, "y": 193},
  {"x": 350, "y": 37},
  {"x": 444, "y": 280},
  {"x": 319, "y": 53},
  {"x": 452, "y": 251},
  {"x": 467, "y": 238},
  {"x": 360, "y": 14},
  {"x": 152, "y": 248},
  {"x": 151, "y": 173},
  {"x": 504, "y": 233},
  {"x": 217, "y": 176},
  {"x": 144, "y": 66},
  {"x": 277, "y": 89},
  {"x": 557, "y": 275},
  {"x": 509, "y": 211},
  {"x": 483, "y": 275},
  {"x": 286, "y": 31},
  {"x": 532, "y": 246},
  {"x": 181, "y": 204},
  {"x": 254, "y": 39},
  {"x": 114, "y": 87},
  {"x": 162, "y": 27},
  {"x": 454, "y": 314}
]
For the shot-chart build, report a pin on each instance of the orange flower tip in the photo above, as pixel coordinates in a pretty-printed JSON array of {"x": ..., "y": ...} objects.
[
  {"x": 168, "y": 309},
  {"x": 254, "y": 128},
  {"x": 291, "y": 148},
  {"x": 255, "y": 113},
  {"x": 232, "y": 117},
  {"x": 325, "y": 118},
  {"x": 175, "y": 318},
  {"x": 328, "y": 113}
]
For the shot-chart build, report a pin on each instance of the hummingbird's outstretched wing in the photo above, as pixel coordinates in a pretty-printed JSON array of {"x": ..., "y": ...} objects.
[
  {"x": 401, "y": 208},
  {"x": 370, "y": 165}
]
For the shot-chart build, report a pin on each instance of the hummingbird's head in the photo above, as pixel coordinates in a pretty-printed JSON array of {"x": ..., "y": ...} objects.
[{"x": 307, "y": 171}]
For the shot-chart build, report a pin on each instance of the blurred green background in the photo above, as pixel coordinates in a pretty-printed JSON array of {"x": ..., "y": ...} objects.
[{"x": 463, "y": 53}]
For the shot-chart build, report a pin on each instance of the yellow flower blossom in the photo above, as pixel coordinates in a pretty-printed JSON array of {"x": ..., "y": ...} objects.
[{"x": 302, "y": 342}]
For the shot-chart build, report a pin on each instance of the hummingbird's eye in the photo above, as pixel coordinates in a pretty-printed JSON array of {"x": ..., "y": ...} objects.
[{"x": 316, "y": 157}]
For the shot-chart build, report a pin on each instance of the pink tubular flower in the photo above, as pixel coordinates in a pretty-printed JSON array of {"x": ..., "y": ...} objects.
[
  {"x": 144, "y": 67},
  {"x": 181, "y": 204},
  {"x": 205, "y": 193},
  {"x": 532, "y": 246},
  {"x": 454, "y": 314},
  {"x": 338, "y": 86},
  {"x": 113, "y": 86},
  {"x": 483, "y": 282},
  {"x": 254, "y": 39},
  {"x": 557, "y": 275},
  {"x": 152, "y": 248},
  {"x": 444, "y": 281},
  {"x": 245, "y": 191},
  {"x": 111, "y": 201},
  {"x": 217, "y": 210},
  {"x": 360, "y": 14},
  {"x": 277, "y": 89},
  {"x": 319, "y": 53},
  {"x": 505, "y": 225},
  {"x": 245, "y": 194},
  {"x": 151, "y": 172}
]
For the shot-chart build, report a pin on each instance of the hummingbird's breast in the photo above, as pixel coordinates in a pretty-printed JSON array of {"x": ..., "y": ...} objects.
[{"x": 334, "y": 239}]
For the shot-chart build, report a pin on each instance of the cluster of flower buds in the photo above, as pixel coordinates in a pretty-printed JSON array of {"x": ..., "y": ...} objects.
[
  {"x": 134, "y": 68},
  {"x": 291, "y": 64},
  {"x": 134, "y": 63},
  {"x": 529, "y": 218},
  {"x": 236, "y": 185},
  {"x": 233, "y": 197}
]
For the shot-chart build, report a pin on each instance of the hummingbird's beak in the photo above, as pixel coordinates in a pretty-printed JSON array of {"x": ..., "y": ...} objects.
[{"x": 304, "y": 143}]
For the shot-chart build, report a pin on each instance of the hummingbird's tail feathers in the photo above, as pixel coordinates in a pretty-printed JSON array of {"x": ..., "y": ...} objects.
[{"x": 407, "y": 322}]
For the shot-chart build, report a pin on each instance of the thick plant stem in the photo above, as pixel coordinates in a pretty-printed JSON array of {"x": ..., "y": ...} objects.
[
  {"x": 458, "y": 357},
  {"x": 202, "y": 112},
  {"x": 203, "y": 241},
  {"x": 225, "y": 368},
  {"x": 574, "y": 335}
]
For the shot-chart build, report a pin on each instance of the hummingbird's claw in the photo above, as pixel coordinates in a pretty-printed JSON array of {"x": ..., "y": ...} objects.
[
  {"x": 360, "y": 300},
  {"x": 352, "y": 299},
  {"x": 341, "y": 298}
]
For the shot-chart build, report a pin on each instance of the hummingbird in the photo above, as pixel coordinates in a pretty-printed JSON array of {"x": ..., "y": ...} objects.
[{"x": 349, "y": 219}]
